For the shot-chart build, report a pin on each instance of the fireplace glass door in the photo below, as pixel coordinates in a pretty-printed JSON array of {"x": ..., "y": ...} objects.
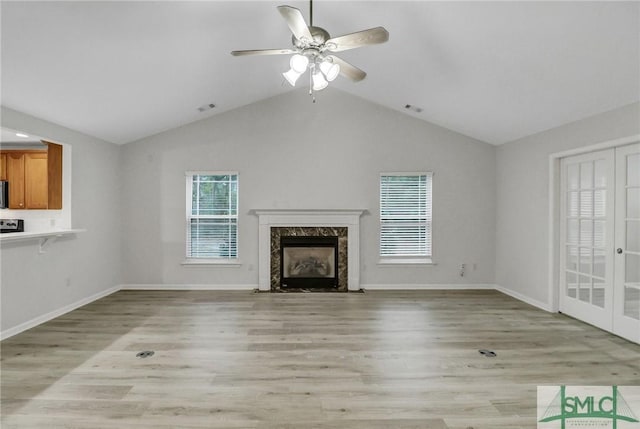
[{"x": 308, "y": 262}]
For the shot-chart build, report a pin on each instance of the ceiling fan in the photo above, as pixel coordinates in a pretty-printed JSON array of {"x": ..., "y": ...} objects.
[{"x": 313, "y": 49}]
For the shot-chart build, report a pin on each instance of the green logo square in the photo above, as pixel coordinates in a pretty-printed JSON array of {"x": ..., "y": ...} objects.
[{"x": 611, "y": 407}]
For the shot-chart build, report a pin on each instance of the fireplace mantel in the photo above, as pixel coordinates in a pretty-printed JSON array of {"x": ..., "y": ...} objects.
[{"x": 269, "y": 218}]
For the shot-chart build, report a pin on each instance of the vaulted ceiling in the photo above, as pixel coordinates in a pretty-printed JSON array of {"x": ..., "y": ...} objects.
[{"x": 495, "y": 71}]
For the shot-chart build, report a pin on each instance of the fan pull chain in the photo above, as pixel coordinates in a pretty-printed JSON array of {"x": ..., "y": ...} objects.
[
  {"x": 313, "y": 96},
  {"x": 311, "y": 13}
]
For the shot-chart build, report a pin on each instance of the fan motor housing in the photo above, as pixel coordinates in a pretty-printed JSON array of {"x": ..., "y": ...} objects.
[{"x": 319, "y": 35}]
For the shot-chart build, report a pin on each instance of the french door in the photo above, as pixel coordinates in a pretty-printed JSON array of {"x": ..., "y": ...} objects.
[
  {"x": 600, "y": 239},
  {"x": 587, "y": 237},
  {"x": 626, "y": 321}
]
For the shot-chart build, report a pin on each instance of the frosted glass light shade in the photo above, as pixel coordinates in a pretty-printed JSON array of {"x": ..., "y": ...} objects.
[
  {"x": 330, "y": 70},
  {"x": 299, "y": 63},
  {"x": 319, "y": 82},
  {"x": 291, "y": 76}
]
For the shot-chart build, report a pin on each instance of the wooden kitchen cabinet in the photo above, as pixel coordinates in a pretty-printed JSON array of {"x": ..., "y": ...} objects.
[
  {"x": 27, "y": 175},
  {"x": 34, "y": 176},
  {"x": 35, "y": 181},
  {"x": 15, "y": 177},
  {"x": 54, "y": 171},
  {"x": 3, "y": 166}
]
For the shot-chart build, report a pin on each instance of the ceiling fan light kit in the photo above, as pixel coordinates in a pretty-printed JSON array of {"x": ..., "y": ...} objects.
[
  {"x": 319, "y": 82},
  {"x": 330, "y": 70},
  {"x": 291, "y": 76},
  {"x": 313, "y": 50},
  {"x": 299, "y": 63},
  {"x": 322, "y": 70}
]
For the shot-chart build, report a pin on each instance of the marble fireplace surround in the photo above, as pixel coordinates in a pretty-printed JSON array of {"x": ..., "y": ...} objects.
[{"x": 283, "y": 218}]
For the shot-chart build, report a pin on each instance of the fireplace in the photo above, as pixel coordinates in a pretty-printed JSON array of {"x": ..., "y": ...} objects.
[
  {"x": 277, "y": 223},
  {"x": 317, "y": 259},
  {"x": 308, "y": 262}
]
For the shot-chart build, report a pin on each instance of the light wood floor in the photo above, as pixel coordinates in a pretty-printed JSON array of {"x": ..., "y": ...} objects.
[{"x": 243, "y": 360}]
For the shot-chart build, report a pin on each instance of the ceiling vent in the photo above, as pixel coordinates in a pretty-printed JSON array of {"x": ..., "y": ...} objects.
[
  {"x": 206, "y": 107},
  {"x": 413, "y": 108}
]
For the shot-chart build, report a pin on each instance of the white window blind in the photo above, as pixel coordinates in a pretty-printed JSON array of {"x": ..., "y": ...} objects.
[
  {"x": 405, "y": 214},
  {"x": 212, "y": 215}
]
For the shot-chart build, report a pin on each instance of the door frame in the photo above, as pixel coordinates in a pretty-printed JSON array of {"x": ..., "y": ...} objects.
[{"x": 553, "y": 239}]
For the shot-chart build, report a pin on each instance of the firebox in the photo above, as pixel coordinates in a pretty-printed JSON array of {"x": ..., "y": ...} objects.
[{"x": 308, "y": 262}]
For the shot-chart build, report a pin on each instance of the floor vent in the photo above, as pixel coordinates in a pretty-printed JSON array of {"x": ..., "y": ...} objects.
[
  {"x": 145, "y": 354},
  {"x": 487, "y": 353}
]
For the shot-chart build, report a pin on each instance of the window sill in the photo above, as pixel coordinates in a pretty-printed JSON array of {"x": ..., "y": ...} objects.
[
  {"x": 227, "y": 263},
  {"x": 406, "y": 261}
]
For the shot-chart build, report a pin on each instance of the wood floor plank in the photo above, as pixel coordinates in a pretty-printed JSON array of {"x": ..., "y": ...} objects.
[{"x": 239, "y": 360}]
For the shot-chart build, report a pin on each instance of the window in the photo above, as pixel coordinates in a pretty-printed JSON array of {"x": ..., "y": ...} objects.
[
  {"x": 212, "y": 216},
  {"x": 405, "y": 217}
]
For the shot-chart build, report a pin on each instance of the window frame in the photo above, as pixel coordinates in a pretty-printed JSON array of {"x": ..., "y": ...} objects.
[
  {"x": 427, "y": 258},
  {"x": 217, "y": 261}
]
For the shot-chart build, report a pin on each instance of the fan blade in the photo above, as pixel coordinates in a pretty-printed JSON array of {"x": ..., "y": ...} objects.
[
  {"x": 263, "y": 52},
  {"x": 348, "y": 70},
  {"x": 296, "y": 22},
  {"x": 372, "y": 36}
]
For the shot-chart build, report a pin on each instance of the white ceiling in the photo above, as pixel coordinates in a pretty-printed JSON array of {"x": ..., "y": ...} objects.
[
  {"x": 9, "y": 137},
  {"x": 496, "y": 71}
]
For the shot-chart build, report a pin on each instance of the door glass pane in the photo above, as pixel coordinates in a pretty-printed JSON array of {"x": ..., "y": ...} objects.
[
  {"x": 631, "y": 287},
  {"x": 597, "y": 297},
  {"x": 633, "y": 235},
  {"x": 586, "y": 233},
  {"x": 599, "y": 263},
  {"x": 632, "y": 302},
  {"x": 572, "y": 231},
  {"x": 633, "y": 203},
  {"x": 586, "y": 175},
  {"x": 584, "y": 293},
  {"x": 600, "y": 203},
  {"x": 632, "y": 277},
  {"x": 586, "y": 203},
  {"x": 598, "y": 233},
  {"x": 572, "y": 204},
  {"x": 585, "y": 261},
  {"x": 572, "y": 285},
  {"x": 573, "y": 174},
  {"x": 633, "y": 170},
  {"x": 600, "y": 174},
  {"x": 572, "y": 258}
]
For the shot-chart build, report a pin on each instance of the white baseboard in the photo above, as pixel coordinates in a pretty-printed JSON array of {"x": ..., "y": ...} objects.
[
  {"x": 433, "y": 286},
  {"x": 55, "y": 313},
  {"x": 243, "y": 287},
  {"x": 517, "y": 295}
]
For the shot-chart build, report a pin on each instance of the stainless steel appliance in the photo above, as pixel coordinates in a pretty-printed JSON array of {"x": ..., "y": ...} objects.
[
  {"x": 11, "y": 225},
  {"x": 4, "y": 194}
]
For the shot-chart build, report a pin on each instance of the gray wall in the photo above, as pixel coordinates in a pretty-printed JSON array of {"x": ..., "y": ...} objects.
[
  {"x": 523, "y": 199},
  {"x": 73, "y": 268},
  {"x": 490, "y": 204},
  {"x": 291, "y": 153}
]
